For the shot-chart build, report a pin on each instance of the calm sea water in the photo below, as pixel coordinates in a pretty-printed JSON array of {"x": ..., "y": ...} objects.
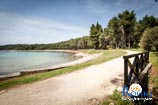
[{"x": 15, "y": 61}]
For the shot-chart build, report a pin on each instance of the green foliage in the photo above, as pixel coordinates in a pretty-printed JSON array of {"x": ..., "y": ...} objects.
[
  {"x": 123, "y": 29},
  {"x": 99, "y": 37},
  {"x": 102, "y": 41},
  {"x": 77, "y": 43},
  {"x": 138, "y": 34},
  {"x": 149, "y": 22},
  {"x": 116, "y": 98},
  {"x": 142, "y": 25},
  {"x": 95, "y": 33},
  {"x": 149, "y": 40},
  {"x": 115, "y": 35}
]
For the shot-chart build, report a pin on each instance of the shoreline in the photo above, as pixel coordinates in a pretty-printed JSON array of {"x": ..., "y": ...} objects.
[{"x": 83, "y": 57}]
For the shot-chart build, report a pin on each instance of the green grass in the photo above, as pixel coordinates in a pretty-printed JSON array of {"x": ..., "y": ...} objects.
[
  {"x": 136, "y": 49},
  {"x": 154, "y": 78},
  {"x": 116, "y": 99},
  {"x": 154, "y": 59},
  {"x": 93, "y": 51},
  {"x": 106, "y": 55}
]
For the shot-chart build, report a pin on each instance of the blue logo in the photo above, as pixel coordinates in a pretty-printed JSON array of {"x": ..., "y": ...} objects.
[{"x": 134, "y": 91}]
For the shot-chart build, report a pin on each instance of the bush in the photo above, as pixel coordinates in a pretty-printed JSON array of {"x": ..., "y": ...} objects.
[
  {"x": 149, "y": 40},
  {"x": 116, "y": 99}
]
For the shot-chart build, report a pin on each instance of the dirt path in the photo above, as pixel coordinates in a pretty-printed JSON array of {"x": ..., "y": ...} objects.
[{"x": 84, "y": 87}]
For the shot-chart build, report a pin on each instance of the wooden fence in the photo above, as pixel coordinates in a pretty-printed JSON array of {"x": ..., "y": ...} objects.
[{"x": 137, "y": 70}]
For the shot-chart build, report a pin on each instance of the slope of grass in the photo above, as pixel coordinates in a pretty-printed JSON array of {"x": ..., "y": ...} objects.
[
  {"x": 116, "y": 99},
  {"x": 154, "y": 59},
  {"x": 154, "y": 76},
  {"x": 106, "y": 55}
]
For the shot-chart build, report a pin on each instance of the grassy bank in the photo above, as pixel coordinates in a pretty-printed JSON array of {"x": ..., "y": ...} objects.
[
  {"x": 154, "y": 77},
  {"x": 116, "y": 99},
  {"x": 106, "y": 55},
  {"x": 154, "y": 61}
]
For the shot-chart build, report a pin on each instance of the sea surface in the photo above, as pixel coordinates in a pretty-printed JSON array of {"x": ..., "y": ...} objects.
[{"x": 16, "y": 61}]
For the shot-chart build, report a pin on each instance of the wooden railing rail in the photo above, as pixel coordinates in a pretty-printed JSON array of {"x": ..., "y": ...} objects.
[{"x": 137, "y": 71}]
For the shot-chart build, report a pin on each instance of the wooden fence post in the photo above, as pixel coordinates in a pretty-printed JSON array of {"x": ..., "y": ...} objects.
[{"x": 125, "y": 71}]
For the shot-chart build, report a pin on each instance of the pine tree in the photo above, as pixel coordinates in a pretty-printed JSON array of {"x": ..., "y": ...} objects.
[{"x": 95, "y": 32}]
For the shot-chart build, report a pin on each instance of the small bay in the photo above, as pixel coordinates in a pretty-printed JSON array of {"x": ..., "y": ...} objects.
[{"x": 15, "y": 61}]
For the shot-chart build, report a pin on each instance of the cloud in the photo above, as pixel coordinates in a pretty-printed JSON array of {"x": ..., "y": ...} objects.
[
  {"x": 19, "y": 29},
  {"x": 113, "y": 7},
  {"x": 20, "y": 24}
]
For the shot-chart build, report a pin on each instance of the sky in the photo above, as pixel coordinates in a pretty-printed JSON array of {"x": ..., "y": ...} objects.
[{"x": 49, "y": 21}]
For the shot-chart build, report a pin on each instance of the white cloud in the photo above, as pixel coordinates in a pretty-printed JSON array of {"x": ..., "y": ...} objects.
[
  {"x": 18, "y": 29},
  {"x": 113, "y": 7}
]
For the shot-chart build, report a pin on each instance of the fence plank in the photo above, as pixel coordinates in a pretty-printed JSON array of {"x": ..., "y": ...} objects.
[{"x": 138, "y": 70}]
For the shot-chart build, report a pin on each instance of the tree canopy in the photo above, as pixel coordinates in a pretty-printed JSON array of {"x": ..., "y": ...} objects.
[{"x": 149, "y": 40}]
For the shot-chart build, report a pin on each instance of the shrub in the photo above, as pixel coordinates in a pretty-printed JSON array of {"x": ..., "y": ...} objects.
[
  {"x": 116, "y": 99},
  {"x": 149, "y": 40}
]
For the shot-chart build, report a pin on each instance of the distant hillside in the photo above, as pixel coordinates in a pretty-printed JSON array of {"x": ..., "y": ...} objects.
[{"x": 77, "y": 43}]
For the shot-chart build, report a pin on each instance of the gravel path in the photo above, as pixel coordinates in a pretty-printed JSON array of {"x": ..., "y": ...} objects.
[{"x": 84, "y": 87}]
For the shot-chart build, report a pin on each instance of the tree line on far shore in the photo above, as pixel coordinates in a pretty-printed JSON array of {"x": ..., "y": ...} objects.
[
  {"x": 122, "y": 31},
  {"x": 77, "y": 43}
]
